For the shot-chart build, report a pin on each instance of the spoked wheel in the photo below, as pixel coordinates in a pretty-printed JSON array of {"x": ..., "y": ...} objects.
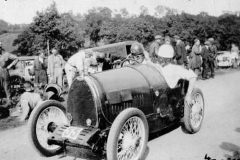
[
  {"x": 43, "y": 121},
  {"x": 193, "y": 115},
  {"x": 128, "y": 61},
  {"x": 128, "y": 136}
]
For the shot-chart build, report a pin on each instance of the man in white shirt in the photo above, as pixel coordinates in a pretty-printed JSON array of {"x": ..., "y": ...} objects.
[
  {"x": 173, "y": 73},
  {"x": 80, "y": 62}
]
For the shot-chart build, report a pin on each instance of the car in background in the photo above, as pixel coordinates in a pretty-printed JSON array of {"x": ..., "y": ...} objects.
[
  {"x": 19, "y": 73},
  {"x": 19, "y": 70},
  {"x": 115, "y": 53},
  {"x": 226, "y": 59}
]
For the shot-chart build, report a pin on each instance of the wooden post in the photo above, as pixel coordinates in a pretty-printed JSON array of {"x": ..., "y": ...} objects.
[{"x": 48, "y": 47}]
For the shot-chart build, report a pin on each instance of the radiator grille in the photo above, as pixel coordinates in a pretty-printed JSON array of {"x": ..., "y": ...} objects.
[
  {"x": 115, "y": 109},
  {"x": 80, "y": 104}
]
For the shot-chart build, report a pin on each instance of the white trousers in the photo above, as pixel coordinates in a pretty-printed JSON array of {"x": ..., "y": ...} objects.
[{"x": 70, "y": 73}]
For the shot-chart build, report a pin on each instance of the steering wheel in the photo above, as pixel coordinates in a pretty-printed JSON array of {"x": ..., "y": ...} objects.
[{"x": 128, "y": 60}]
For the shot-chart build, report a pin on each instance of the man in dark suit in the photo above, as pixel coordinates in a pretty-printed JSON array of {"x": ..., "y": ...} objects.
[
  {"x": 180, "y": 51},
  {"x": 153, "y": 50},
  {"x": 205, "y": 57},
  {"x": 212, "y": 56}
]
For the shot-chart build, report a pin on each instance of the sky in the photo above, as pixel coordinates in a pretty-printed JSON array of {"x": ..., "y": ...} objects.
[{"x": 23, "y": 11}]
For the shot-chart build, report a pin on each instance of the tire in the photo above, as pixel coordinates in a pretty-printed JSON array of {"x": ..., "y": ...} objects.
[
  {"x": 116, "y": 135},
  {"x": 41, "y": 146},
  {"x": 188, "y": 126}
]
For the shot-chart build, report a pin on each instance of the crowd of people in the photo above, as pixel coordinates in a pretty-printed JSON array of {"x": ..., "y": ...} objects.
[
  {"x": 200, "y": 58},
  {"x": 169, "y": 55}
]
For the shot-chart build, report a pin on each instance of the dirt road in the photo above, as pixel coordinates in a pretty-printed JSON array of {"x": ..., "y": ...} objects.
[{"x": 218, "y": 139}]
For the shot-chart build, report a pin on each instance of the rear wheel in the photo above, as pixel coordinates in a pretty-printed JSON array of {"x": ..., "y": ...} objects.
[
  {"x": 43, "y": 121},
  {"x": 128, "y": 136},
  {"x": 193, "y": 115}
]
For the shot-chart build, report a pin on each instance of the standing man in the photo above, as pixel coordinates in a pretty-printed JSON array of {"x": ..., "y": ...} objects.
[
  {"x": 40, "y": 69},
  {"x": 55, "y": 67},
  {"x": 205, "y": 57},
  {"x": 180, "y": 50},
  {"x": 168, "y": 40},
  {"x": 153, "y": 50},
  {"x": 195, "y": 57},
  {"x": 80, "y": 63},
  {"x": 235, "y": 55},
  {"x": 5, "y": 59},
  {"x": 212, "y": 56}
]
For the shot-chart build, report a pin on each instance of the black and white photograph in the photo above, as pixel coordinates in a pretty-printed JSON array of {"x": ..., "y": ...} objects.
[{"x": 119, "y": 79}]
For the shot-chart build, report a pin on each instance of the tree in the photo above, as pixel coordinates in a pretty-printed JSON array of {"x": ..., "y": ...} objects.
[
  {"x": 159, "y": 11},
  {"x": 61, "y": 31},
  {"x": 143, "y": 11},
  {"x": 136, "y": 29},
  {"x": 124, "y": 12},
  {"x": 94, "y": 20}
]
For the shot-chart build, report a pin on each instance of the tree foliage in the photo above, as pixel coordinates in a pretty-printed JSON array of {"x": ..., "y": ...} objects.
[
  {"x": 68, "y": 32},
  {"x": 50, "y": 27}
]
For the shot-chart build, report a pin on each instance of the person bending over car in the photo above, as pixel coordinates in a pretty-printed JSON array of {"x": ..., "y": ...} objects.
[
  {"x": 172, "y": 73},
  {"x": 5, "y": 59},
  {"x": 80, "y": 63}
]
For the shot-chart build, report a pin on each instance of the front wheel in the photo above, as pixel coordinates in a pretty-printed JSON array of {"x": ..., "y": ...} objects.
[
  {"x": 128, "y": 136},
  {"x": 43, "y": 121},
  {"x": 193, "y": 115}
]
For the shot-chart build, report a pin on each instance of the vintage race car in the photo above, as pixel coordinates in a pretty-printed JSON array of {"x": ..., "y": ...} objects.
[
  {"x": 111, "y": 114},
  {"x": 226, "y": 59}
]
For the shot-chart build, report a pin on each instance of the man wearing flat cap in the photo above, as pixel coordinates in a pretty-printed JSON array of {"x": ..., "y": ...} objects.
[
  {"x": 153, "y": 50},
  {"x": 40, "y": 69},
  {"x": 167, "y": 40},
  {"x": 181, "y": 55},
  {"x": 55, "y": 67},
  {"x": 212, "y": 56},
  {"x": 205, "y": 56}
]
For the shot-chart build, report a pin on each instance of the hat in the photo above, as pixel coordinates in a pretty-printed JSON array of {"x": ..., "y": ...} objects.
[
  {"x": 28, "y": 86},
  {"x": 211, "y": 40},
  {"x": 166, "y": 51},
  {"x": 167, "y": 38},
  {"x": 206, "y": 42},
  {"x": 158, "y": 37},
  {"x": 40, "y": 51},
  {"x": 100, "y": 57},
  {"x": 176, "y": 37},
  {"x": 89, "y": 51},
  {"x": 196, "y": 40}
]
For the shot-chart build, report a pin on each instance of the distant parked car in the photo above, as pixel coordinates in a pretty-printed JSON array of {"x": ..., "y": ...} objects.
[{"x": 226, "y": 59}]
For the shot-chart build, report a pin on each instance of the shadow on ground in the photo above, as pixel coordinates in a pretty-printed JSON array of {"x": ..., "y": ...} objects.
[
  {"x": 231, "y": 148},
  {"x": 237, "y": 130},
  {"x": 163, "y": 132}
]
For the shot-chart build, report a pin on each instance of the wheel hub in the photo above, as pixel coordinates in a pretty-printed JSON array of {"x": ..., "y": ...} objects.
[
  {"x": 197, "y": 110},
  {"x": 130, "y": 142}
]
